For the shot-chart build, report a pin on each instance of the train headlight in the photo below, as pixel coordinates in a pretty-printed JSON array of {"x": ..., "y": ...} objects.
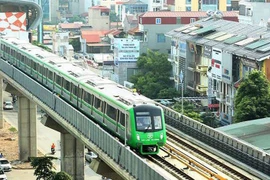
[
  {"x": 138, "y": 137},
  {"x": 161, "y": 136}
]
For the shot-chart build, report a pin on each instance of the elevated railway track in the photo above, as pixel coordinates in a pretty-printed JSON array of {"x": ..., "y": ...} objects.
[{"x": 254, "y": 162}]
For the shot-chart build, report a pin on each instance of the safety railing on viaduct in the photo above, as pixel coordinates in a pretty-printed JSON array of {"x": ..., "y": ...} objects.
[{"x": 121, "y": 155}]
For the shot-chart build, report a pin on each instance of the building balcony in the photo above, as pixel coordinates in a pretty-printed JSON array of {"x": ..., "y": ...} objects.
[
  {"x": 220, "y": 97},
  {"x": 226, "y": 117},
  {"x": 191, "y": 85},
  {"x": 201, "y": 68},
  {"x": 176, "y": 78},
  {"x": 201, "y": 88},
  {"x": 170, "y": 59},
  {"x": 191, "y": 66}
]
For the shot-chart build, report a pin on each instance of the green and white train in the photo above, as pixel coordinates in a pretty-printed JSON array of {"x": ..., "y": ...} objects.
[{"x": 128, "y": 115}]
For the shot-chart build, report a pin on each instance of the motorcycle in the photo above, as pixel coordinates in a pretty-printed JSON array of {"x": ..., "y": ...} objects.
[{"x": 53, "y": 150}]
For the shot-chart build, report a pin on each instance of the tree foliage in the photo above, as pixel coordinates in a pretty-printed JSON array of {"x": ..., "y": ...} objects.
[
  {"x": 62, "y": 176},
  {"x": 113, "y": 17},
  {"x": 252, "y": 100},
  {"x": 44, "y": 169},
  {"x": 76, "y": 19},
  {"x": 75, "y": 42},
  {"x": 153, "y": 77}
]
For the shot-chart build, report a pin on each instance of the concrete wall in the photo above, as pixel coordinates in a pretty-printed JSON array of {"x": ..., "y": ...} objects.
[
  {"x": 121, "y": 71},
  {"x": 152, "y": 31}
]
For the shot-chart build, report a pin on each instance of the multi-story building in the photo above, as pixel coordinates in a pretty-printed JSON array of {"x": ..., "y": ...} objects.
[
  {"x": 99, "y": 17},
  {"x": 255, "y": 12},
  {"x": 203, "y": 5},
  {"x": 56, "y": 10},
  {"x": 61, "y": 45},
  {"x": 126, "y": 53},
  {"x": 153, "y": 26},
  {"x": 134, "y": 7},
  {"x": 219, "y": 54}
]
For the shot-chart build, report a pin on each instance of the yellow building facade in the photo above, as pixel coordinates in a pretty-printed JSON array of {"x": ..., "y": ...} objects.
[{"x": 197, "y": 5}]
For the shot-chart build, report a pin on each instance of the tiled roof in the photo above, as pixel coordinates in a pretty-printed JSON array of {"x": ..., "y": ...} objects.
[
  {"x": 133, "y": 30},
  {"x": 113, "y": 32},
  {"x": 70, "y": 25},
  {"x": 100, "y": 7},
  {"x": 101, "y": 33},
  {"x": 132, "y": 19},
  {"x": 91, "y": 38},
  {"x": 184, "y": 14}
]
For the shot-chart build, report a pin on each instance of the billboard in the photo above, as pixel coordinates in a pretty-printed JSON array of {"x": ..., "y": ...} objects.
[
  {"x": 126, "y": 49},
  {"x": 12, "y": 21},
  {"x": 227, "y": 68},
  {"x": 216, "y": 65}
]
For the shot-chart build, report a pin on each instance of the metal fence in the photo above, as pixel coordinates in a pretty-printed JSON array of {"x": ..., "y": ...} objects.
[
  {"x": 240, "y": 150},
  {"x": 120, "y": 154}
]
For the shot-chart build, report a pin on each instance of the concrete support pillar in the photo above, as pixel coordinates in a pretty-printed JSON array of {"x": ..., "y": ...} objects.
[
  {"x": 72, "y": 156},
  {"x": 27, "y": 128},
  {"x": 1, "y": 104},
  {"x": 102, "y": 168}
]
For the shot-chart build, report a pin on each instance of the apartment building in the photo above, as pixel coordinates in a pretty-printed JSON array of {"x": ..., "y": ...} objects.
[
  {"x": 99, "y": 17},
  {"x": 203, "y": 5},
  {"x": 255, "y": 12},
  {"x": 219, "y": 54}
]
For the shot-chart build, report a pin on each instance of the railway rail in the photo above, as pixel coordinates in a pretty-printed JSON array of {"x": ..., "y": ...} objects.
[{"x": 217, "y": 163}]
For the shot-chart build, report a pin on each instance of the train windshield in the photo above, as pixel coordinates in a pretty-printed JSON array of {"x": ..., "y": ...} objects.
[{"x": 148, "y": 119}]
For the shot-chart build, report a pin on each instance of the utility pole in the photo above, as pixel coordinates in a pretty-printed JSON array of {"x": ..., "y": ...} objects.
[{"x": 181, "y": 76}]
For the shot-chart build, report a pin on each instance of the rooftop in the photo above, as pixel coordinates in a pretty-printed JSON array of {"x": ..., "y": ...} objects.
[
  {"x": 233, "y": 37},
  {"x": 255, "y": 132},
  {"x": 184, "y": 14}
]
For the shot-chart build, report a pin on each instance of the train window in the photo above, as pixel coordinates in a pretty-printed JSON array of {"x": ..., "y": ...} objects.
[
  {"x": 87, "y": 97},
  {"x": 58, "y": 79},
  {"x": 97, "y": 103},
  {"x": 75, "y": 90},
  {"x": 34, "y": 65},
  {"x": 111, "y": 112},
  {"x": 66, "y": 85},
  {"x": 50, "y": 75},
  {"x": 122, "y": 119},
  {"x": 157, "y": 122}
]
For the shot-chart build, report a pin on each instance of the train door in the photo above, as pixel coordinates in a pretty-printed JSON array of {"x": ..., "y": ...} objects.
[
  {"x": 117, "y": 121},
  {"x": 103, "y": 106},
  {"x": 79, "y": 97},
  {"x": 128, "y": 126}
]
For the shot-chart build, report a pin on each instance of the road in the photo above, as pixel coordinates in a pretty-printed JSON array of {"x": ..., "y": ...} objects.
[{"x": 45, "y": 137}]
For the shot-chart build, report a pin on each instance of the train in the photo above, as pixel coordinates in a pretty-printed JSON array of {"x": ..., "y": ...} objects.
[{"x": 132, "y": 117}]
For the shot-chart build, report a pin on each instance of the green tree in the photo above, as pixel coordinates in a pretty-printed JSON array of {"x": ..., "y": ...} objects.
[
  {"x": 75, "y": 42},
  {"x": 189, "y": 109},
  {"x": 252, "y": 100},
  {"x": 43, "y": 167},
  {"x": 62, "y": 176},
  {"x": 76, "y": 19},
  {"x": 153, "y": 76},
  {"x": 113, "y": 17}
]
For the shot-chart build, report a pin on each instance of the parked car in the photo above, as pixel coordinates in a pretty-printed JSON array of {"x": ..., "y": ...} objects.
[
  {"x": 3, "y": 176},
  {"x": 8, "y": 105},
  {"x": 5, "y": 165},
  {"x": 89, "y": 156},
  {"x": 166, "y": 102}
]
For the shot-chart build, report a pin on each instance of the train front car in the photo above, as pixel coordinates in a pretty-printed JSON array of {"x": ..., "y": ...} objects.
[{"x": 149, "y": 132}]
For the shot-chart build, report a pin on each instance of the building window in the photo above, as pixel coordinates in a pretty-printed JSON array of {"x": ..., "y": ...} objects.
[
  {"x": 161, "y": 38},
  {"x": 192, "y": 20},
  {"x": 188, "y": 1},
  {"x": 158, "y": 20},
  {"x": 188, "y": 8}
]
